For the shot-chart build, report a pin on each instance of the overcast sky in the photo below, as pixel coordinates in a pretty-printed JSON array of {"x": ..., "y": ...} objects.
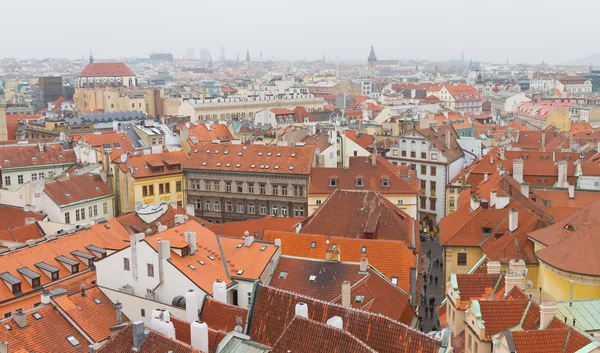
[{"x": 489, "y": 30}]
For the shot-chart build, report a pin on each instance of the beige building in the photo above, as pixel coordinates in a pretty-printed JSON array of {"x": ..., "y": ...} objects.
[
  {"x": 231, "y": 108},
  {"x": 149, "y": 101}
]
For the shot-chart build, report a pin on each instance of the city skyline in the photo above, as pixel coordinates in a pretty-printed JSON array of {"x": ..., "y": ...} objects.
[{"x": 483, "y": 30}]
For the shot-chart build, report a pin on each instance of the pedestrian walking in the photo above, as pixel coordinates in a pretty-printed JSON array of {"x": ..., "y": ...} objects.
[
  {"x": 432, "y": 301},
  {"x": 430, "y": 278},
  {"x": 441, "y": 265},
  {"x": 436, "y": 280},
  {"x": 431, "y": 311},
  {"x": 421, "y": 327},
  {"x": 425, "y": 287}
]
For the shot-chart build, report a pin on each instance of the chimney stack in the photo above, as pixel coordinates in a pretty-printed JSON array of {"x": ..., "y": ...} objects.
[
  {"x": 302, "y": 310},
  {"x": 4, "y": 347},
  {"x": 474, "y": 203},
  {"x": 336, "y": 322},
  {"x": 571, "y": 191},
  {"x": 513, "y": 219},
  {"x": 547, "y": 313},
  {"x": 220, "y": 291},
  {"x": 492, "y": 198},
  {"x": 139, "y": 334},
  {"x": 248, "y": 240},
  {"x": 373, "y": 159},
  {"x": 191, "y": 306},
  {"x": 364, "y": 264},
  {"x": 502, "y": 157},
  {"x": 118, "y": 307},
  {"x": 562, "y": 174},
  {"x": 447, "y": 139},
  {"x": 502, "y": 200},
  {"x": 525, "y": 189},
  {"x": 191, "y": 239},
  {"x": 543, "y": 141},
  {"x": 346, "y": 294},
  {"x": 199, "y": 335},
  {"x": 515, "y": 275},
  {"x": 332, "y": 254},
  {"x": 20, "y": 318},
  {"x": 518, "y": 170},
  {"x": 493, "y": 267},
  {"x": 485, "y": 177}
]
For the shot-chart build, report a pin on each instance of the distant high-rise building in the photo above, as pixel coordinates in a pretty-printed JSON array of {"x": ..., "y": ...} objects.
[
  {"x": 205, "y": 55},
  {"x": 189, "y": 53},
  {"x": 222, "y": 56},
  {"x": 161, "y": 57}
]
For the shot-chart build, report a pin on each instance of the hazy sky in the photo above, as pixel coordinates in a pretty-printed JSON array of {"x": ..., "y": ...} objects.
[{"x": 524, "y": 30}]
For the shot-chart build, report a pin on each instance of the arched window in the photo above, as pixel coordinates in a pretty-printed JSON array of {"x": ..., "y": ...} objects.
[
  {"x": 360, "y": 182},
  {"x": 385, "y": 182},
  {"x": 207, "y": 208},
  {"x": 413, "y": 145},
  {"x": 333, "y": 182}
]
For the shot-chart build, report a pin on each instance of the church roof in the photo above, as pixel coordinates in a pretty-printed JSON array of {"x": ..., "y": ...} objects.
[{"x": 106, "y": 70}]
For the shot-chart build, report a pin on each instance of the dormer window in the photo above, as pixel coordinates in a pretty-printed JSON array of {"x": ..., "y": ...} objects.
[
  {"x": 332, "y": 182},
  {"x": 12, "y": 282},
  {"x": 360, "y": 182},
  {"x": 385, "y": 182},
  {"x": 70, "y": 264}
]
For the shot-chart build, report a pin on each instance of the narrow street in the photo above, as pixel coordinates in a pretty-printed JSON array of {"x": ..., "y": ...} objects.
[{"x": 433, "y": 291}]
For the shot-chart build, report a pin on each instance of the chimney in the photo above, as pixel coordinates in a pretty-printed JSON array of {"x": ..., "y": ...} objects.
[
  {"x": 502, "y": 201},
  {"x": 562, "y": 174},
  {"x": 124, "y": 157},
  {"x": 30, "y": 220},
  {"x": 160, "y": 227},
  {"x": 493, "y": 267},
  {"x": 518, "y": 170},
  {"x": 515, "y": 275},
  {"x": 491, "y": 159},
  {"x": 547, "y": 312},
  {"x": 248, "y": 241},
  {"x": 447, "y": 143},
  {"x": 513, "y": 219},
  {"x": 474, "y": 203},
  {"x": 346, "y": 294},
  {"x": 543, "y": 141},
  {"x": 199, "y": 335},
  {"x": 373, "y": 159},
  {"x": 492, "y": 198},
  {"x": 336, "y": 322},
  {"x": 189, "y": 209},
  {"x": 571, "y": 191},
  {"x": 41, "y": 147},
  {"x": 364, "y": 264},
  {"x": 191, "y": 306},
  {"x": 139, "y": 334},
  {"x": 277, "y": 242},
  {"x": 193, "y": 244},
  {"x": 485, "y": 177},
  {"x": 118, "y": 307},
  {"x": 20, "y": 318},
  {"x": 4, "y": 347},
  {"x": 332, "y": 254},
  {"x": 502, "y": 157},
  {"x": 525, "y": 189},
  {"x": 302, "y": 310},
  {"x": 220, "y": 291}
]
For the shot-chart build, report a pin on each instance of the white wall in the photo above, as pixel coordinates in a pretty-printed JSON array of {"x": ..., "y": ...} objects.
[
  {"x": 57, "y": 214},
  {"x": 49, "y": 171}
]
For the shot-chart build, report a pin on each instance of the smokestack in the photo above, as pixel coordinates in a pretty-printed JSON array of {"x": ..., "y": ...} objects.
[
  {"x": 518, "y": 170},
  {"x": 302, "y": 310},
  {"x": 513, "y": 219},
  {"x": 199, "y": 335},
  {"x": 562, "y": 174},
  {"x": 346, "y": 294},
  {"x": 118, "y": 307},
  {"x": 139, "y": 334},
  {"x": 547, "y": 313},
  {"x": 191, "y": 306}
]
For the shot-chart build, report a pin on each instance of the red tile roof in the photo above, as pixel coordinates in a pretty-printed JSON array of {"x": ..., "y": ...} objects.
[
  {"x": 51, "y": 330},
  {"x": 77, "y": 188},
  {"x": 540, "y": 341},
  {"x": 122, "y": 342},
  {"x": 182, "y": 334},
  {"x": 501, "y": 315},
  {"x": 113, "y": 139},
  {"x": 23, "y": 233},
  {"x": 252, "y": 158},
  {"x": 222, "y": 316},
  {"x": 361, "y": 214},
  {"x": 146, "y": 165},
  {"x": 13, "y": 119},
  {"x": 282, "y": 111},
  {"x": 364, "y": 141},
  {"x": 30, "y": 155},
  {"x": 13, "y": 217},
  {"x": 256, "y": 227},
  {"x": 204, "y": 133},
  {"x": 476, "y": 286},
  {"x": 400, "y": 179},
  {"x": 275, "y": 309},
  {"x": 106, "y": 70},
  {"x": 95, "y": 319},
  {"x": 319, "y": 140},
  {"x": 323, "y": 338},
  {"x": 391, "y": 258}
]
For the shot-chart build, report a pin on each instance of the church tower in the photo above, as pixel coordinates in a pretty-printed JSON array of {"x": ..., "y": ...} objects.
[{"x": 372, "y": 60}]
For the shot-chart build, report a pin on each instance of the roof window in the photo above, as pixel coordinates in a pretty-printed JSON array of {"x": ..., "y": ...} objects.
[
  {"x": 363, "y": 250},
  {"x": 263, "y": 248},
  {"x": 192, "y": 267},
  {"x": 395, "y": 280},
  {"x": 333, "y": 182},
  {"x": 312, "y": 278},
  {"x": 282, "y": 275},
  {"x": 253, "y": 166},
  {"x": 313, "y": 245},
  {"x": 360, "y": 182},
  {"x": 260, "y": 153},
  {"x": 97, "y": 301},
  {"x": 239, "y": 245},
  {"x": 201, "y": 262},
  {"x": 37, "y": 316},
  {"x": 240, "y": 272},
  {"x": 211, "y": 257},
  {"x": 291, "y": 167},
  {"x": 359, "y": 298},
  {"x": 385, "y": 182},
  {"x": 73, "y": 341},
  {"x": 225, "y": 152},
  {"x": 269, "y": 154},
  {"x": 278, "y": 154},
  {"x": 293, "y": 155}
]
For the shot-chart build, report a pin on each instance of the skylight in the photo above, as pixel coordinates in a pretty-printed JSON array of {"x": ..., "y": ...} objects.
[
  {"x": 312, "y": 278},
  {"x": 7, "y": 326},
  {"x": 313, "y": 245},
  {"x": 260, "y": 153},
  {"x": 282, "y": 275},
  {"x": 239, "y": 245},
  {"x": 73, "y": 341},
  {"x": 97, "y": 301},
  {"x": 201, "y": 262},
  {"x": 192, "y": 267},
  {"x": 211, "y": 257},
  {"x": 363, "y": 250},
  {"x": 293, "y": 155},
  {"x": 240, "y": 272},
  {"x": 263, "y": 248},
  {"x": 395, "y": 280},
  {"x": 359, "y": 299}
]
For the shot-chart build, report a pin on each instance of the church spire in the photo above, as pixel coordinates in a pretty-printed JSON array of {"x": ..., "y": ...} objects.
[
  {"x": 372, "y": 56},
  {"x": 91, "y": 57},
  {"x": 248, "y": 55}
]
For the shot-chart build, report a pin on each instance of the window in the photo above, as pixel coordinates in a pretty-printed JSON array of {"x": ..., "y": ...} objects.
[
  {"x": 423, "y": 170},
  {"x": 262, "y": 189},
  {"x": 476, "y": 347},
  {"x": 462, "y": 259},
  {"x": 363, "y": 250},
  {"x": 228, "y": 206},
  {"x": 263, "y": 209},
  {"x": 67, "y": 217},
  {"x": 150, "y": 189},
  {"x": 423, "y": 202},
  {"x": 42, "y": 175},
  {"x": 228, "y": 186},
  {"x": 275, "y": 189},
  {"x": 284, "y": 211},
  {"x": 282, "y": 275},
  {"x": 298, "y": 211},
  {"x": 20, "y": 179},
  {"x": 215, "y": 185},
  {"x": 359, "y": 298},
  {"x": 77, "y": 217},
  {"x": 251, "y": 188},
  {"x": 434, "y": 156},
  {"x": 125, "y": 264},
  {"x": 298, "y": 190},
  {"x": 105, "y": 206},
  {"x": 403, "y": 153},
  {"x": 91, "y": 212},
  {"x": 395, "y": 281},
  {"x": 33, "y": 176},
  {"x": 144, "y": 191},
  {"x": 150, "y": 268},
  {"x": 432, "y": 186},
  {"x": 423, "y": 155},
  {"x": 423, "y": 185},
  {"x": 251, "y": 208},
  {"x": 319, "y": 202},
  {"x": 95, "y": 210},
  {"x": 433, "y": 171},
  {"x": 274, "y": 210},
  {"x": 333, "y": 182},
  {"x": 7, "y": 180},
  {"x": 360, "y": 183},
  {"x": 432, "y": 204},
  {"x": 240, "y": 187},
  {"x": 143, "y": 312},
  {"x": 284, "y": 190},
  {"x": 240, "y": 207},
  {"x": 82, "y": 213},
  {"x": 73, "y": 341},
  {"x": 413, "y": 154},
  {"x": 470, "y": 341},
  {"x": 207, "y": 206}
]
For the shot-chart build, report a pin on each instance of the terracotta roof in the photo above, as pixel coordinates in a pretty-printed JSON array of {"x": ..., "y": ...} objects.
[
  {"x": 373, "y": 176},
  {"x": 122, "y": 342},
  {"x": 140, "y": 164},
  {"x": 501, "y": 315},
  {"x": 540, "y": 341},
  {"x": 106, "y": 70},
  {"x": 282, "y": 111},
  {"x": 252, "y": 158},
  {"x": 77, "y": 188},
  {"x": 222, "y": 316},
  {"x": 391, "y": 258},
  {"x": 437, "y": 138},
  {"x": 23, "y": 233},
  {"x": 246, "y": 262},
  {"x": 51, "y": 330},
  {"x": 256, "y": 227},
  {"x": 476, "y": 286},
  {"x": 182, "y": 334},
  {"x": 30, "y": 155},
  {"x": 118, "y": 141},
  {"x": 319, "y": 140},
  {"x": 364, "y": 141},
  {"x": 13, "y": 217},
  {"x": 94, "y": 313},
  {"x": 464, "y": 92},
  {"x": 275, "y": 309},
  {"x": 201, "y": 133},
  {"x": 13, "y": 119},
  {"x": 361, "y": 214},
  {"x": 572, "y": 243},
  {"x": 135, "y": 224},
  {"x": 323, "y": 338}
]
